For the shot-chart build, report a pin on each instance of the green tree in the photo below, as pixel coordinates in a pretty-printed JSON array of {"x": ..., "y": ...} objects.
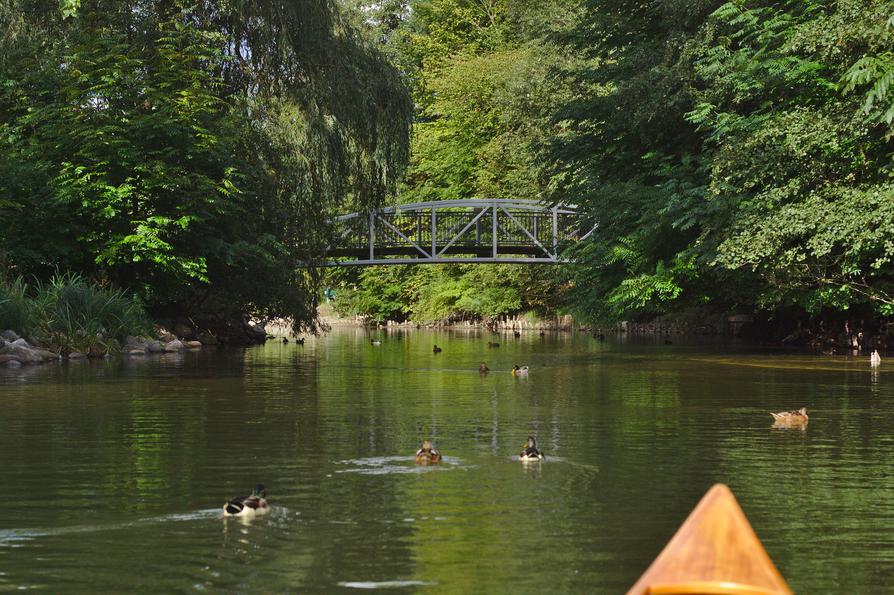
[
  {"x": 485, "y": 90},
  {"x": 191, "y": 152}
]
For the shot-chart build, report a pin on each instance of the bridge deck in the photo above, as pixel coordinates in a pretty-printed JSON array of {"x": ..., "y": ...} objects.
[{"x": 470, "y": 231}]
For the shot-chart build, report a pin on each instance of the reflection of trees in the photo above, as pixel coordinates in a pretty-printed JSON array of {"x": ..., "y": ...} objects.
[{"x": 633, "y": 439}]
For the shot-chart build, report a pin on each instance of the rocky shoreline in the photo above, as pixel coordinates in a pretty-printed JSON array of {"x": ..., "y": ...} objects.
[{"x": 837, "y": 337}]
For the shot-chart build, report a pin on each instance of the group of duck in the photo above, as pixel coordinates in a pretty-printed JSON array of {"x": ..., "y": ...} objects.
[
  {"x": 516, "y": 369},
  {"x": 429, "y": 455},
  {"x": 256, "y": 502}
]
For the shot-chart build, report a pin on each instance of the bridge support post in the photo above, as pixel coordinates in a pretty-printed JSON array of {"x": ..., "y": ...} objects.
[
  {"x": 494, "y": 250},
  {"x": 555, "y": 233},
  {"x": 372, "y": 236},
  {"x": 434, "y": 233}
]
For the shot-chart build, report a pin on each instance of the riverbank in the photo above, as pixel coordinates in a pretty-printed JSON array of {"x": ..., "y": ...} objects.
[{"x": 831, "y": 334}]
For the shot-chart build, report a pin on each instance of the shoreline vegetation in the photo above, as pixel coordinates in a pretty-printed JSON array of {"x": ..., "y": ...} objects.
[
  {"x": 733, "y": 158},
  {"x": 70, "y": 317}
]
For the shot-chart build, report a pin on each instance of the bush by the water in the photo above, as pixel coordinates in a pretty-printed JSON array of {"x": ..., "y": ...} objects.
[{"x": 70, "y": 313}]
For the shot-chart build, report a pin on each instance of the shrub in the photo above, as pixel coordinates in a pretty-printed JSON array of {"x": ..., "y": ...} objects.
[
  {"x": 76, "y": 315},
  {"x": 15, "y": 308},
  {"x": 70, "y": 313}
]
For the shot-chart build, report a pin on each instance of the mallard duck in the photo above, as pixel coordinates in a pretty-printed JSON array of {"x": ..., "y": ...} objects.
[
  {"x": 482, "y": 368},
  {"x": 875, "y": 359},
  {"x": 791, "y": 418},
  {"x": 437, "y": 349},
  {"x": 519, "y": 371},
  {"x": 492, "y": 345},
  {"x": 248, "y": 505},
  {"x": 530, "y": 452},
  {"x": 376, "y": 342},
  {"x": 517, "y": 334},
  {"x": 427, "y": 454},
  {"x": 300, "y": 341},
  {"x": 285, "y": 340}
]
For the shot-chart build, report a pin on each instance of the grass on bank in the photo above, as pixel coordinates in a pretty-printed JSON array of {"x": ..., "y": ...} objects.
[{"x": 70, "y": 313}]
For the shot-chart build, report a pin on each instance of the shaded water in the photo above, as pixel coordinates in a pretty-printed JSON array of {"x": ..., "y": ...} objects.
[{"x": 113, "y": 473}]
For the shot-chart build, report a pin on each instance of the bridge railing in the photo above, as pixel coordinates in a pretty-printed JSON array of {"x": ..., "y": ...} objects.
[{"x": 481, "y": 230}]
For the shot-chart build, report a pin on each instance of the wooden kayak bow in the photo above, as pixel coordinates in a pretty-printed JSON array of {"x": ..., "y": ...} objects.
[{"x": 715, "y": 552}]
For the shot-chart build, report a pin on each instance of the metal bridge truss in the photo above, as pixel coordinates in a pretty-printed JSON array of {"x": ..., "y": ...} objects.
[{"x": 459, "y": 231}]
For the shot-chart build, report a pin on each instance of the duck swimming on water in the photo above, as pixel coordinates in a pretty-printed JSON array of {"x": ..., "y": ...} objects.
[
  {"x": 875, "y": 359},
  {"x": 791, "y": 418},
  {"x": 482, "y": 368},
  {"x": 245, "y": 506},
  {"x": 519, "y": 371},
  {"x": 530, "y": 452},
  {"x": 427, "y": 454}
]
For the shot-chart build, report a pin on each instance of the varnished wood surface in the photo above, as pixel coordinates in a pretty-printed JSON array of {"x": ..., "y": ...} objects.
[{"x": 715, "y": 551}]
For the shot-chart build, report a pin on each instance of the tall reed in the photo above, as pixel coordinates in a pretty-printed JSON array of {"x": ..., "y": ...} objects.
[
  {"x": 15, "y": 307},
  {"x": 70, "y": 313}
]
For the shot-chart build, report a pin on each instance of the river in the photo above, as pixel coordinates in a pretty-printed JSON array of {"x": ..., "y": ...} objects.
[{"x": 113, "y": 473}]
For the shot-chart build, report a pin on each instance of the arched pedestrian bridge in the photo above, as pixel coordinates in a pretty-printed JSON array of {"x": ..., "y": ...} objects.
[{"x": 465, "y": 231}]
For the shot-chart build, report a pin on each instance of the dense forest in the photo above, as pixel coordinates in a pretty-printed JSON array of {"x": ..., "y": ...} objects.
[
  {"x": 735, "y": 157},
  {"x": 190, "y": 152}
]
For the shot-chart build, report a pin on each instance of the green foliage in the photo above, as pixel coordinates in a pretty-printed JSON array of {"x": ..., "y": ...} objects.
[
  {"x": 485, "y": 89},
  {"x": 731, "y": 154},
  {"x": 69, "y": 313},
  {"x": 191, "y": 152},
  {"x": 381, "y": 294},
  {"x": 15, "y": 308},
  {"x": 446, "y": 292}
]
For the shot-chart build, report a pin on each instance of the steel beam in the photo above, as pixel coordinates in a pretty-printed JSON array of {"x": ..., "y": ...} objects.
[{"x": 403, "y": 233}]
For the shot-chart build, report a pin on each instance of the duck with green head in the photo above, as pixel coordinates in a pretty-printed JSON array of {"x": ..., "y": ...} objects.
[
  {"x": 530, "y": 452},
  {"x": 251, "y": 505}
]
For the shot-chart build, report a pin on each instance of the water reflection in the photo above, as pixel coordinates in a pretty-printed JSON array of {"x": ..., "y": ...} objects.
[{"x": 125, "y": 464}]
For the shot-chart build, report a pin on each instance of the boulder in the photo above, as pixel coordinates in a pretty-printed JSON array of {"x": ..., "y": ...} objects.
[
  {"x": 46, "y": 354},
  {"x": 13, "y": 364},
  {"x": 76, "y": 355},
  {"x": 27, "y": 355},
  {"x": 136, "y": 351},
  {"x": 97, "y": 350},
  {"x": 19, "y": 342},
  {"x": 255, "y": 331},
  {"x": 154, "y": 347},
  {"x": 9, "y": 335},
  {"x": 172, "y": 346},
  {"x": 131, "y": 340},
  {"x": 193, "y": 344}
]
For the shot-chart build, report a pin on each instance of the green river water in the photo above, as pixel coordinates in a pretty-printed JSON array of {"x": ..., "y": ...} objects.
[{"x": 113, "y": 473}]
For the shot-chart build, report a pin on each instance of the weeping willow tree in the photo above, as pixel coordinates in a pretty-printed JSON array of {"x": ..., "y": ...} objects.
[{"x": 191, "y": 151}]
